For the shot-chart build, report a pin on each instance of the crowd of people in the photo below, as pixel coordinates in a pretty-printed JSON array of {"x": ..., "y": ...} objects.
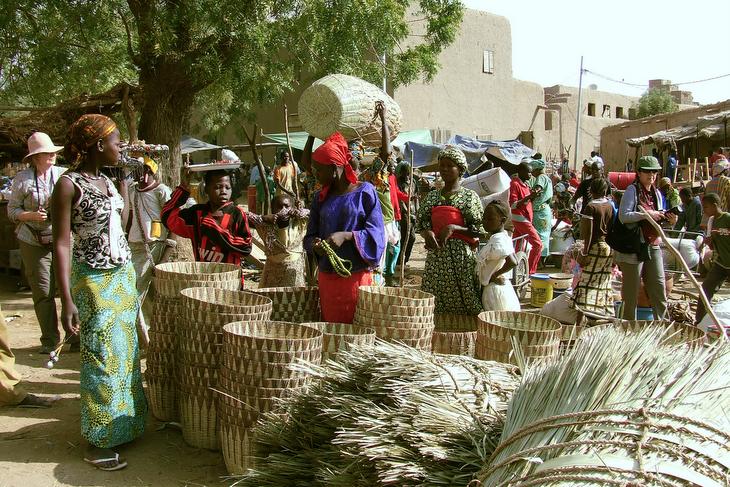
[{"x": 99, "y": 244}]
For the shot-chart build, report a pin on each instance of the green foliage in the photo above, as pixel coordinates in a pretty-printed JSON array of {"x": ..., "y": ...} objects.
[
  {"x": 231, "y": 55},
  {"x": 655, "y": 102}
]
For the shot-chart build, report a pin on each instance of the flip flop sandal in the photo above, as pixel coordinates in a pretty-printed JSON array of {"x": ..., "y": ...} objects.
[{"x": 114, "y": 461}]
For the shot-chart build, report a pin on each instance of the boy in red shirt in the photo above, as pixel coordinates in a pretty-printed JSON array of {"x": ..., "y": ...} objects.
[{"x": 520, "y": 200}]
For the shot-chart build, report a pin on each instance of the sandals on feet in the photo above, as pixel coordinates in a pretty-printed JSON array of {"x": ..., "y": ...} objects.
[{"x": 107, "y": 464}]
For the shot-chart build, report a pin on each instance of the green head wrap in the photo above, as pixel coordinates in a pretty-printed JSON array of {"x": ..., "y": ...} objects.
[{"x": 456, "y": 155}]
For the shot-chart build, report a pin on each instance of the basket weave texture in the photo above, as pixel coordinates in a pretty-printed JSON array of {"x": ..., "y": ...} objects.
[
  {"x": 675, "y": 333},
  {"x": 538, "y": 336},
  {"x": 340, "y": 336},
  {"x": 345, "y": 104},
  {"x": 172, "y": 277},
  {"x": 455, "y": 334},
  {"x": 292, "y": 304}
]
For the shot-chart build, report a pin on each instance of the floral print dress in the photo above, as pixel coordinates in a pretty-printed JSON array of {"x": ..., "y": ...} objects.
[{"x": 450, "y": 272}]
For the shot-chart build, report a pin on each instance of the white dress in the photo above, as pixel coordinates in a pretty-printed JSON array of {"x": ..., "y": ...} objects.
[{"x": 496, "y": 297}]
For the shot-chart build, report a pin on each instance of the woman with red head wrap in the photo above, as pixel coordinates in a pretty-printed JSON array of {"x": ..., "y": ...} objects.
[
  {"x": 346, "y": 215},
  {"x": 98, "y": 291}
]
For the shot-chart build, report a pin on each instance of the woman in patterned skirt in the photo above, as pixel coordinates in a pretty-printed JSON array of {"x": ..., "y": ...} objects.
[
  {"x": 593, "y": 293},
  {"x": 450, "y": 221},
  {"x": 98, "y": 293}
]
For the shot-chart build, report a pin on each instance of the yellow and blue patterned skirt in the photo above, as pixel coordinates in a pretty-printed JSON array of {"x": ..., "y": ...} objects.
[{"x": 113, "y": 405}]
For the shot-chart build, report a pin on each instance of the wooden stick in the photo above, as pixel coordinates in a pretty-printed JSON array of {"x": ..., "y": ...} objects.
[
  {"x": 291, "y": 154},
  {"x": 260, "y": 165},
  {"x": 685, "y": 267}
]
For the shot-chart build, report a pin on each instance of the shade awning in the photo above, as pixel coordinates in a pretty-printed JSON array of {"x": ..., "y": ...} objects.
[{"x": 188, "y": 145}]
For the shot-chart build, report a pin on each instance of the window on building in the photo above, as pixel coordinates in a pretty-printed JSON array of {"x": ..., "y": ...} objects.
[
  {"x": 591, "y": 109},
  {"x": 620, "y": 112},
  {"x": 488, "y": 62},
  {"x": 606, "y": 113},
  {"x": 548, "y": 120},
  {"x": 632, "y": 113},
  {"x": 484, "y": 137}
]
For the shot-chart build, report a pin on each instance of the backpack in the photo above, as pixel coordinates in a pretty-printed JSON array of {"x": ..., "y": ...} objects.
[{"x": 624, "y": 239}]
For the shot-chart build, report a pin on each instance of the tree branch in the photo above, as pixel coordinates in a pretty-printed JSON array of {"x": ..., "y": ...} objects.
[{"x": 130, "y": 50}]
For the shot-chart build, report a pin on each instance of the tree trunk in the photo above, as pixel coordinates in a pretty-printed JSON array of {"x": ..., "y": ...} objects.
[{"x": 168, "y": 102}]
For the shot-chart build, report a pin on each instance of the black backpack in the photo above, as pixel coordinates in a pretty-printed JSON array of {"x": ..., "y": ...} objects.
[{"x": 625, "y": 239}]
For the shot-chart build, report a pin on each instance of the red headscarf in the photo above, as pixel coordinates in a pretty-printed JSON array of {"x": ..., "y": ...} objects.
[{"x": 334, "y": 151}]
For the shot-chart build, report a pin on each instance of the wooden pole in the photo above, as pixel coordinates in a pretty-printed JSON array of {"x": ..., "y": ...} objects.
[
  {"x": 685, "y": 267},
  {"x": 291, "y": 154},
  {"x": 260, "y": 165},
  {"x": 404, "y": 245}
]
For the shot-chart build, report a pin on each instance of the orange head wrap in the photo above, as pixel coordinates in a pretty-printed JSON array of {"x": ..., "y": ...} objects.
[
  {"x": 334, "y": 151},
  {"x": 85, "y": 132}
]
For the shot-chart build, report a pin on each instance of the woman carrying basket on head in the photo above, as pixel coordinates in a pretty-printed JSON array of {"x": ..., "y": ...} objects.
[
  {"x": 450, "y": 221},
  {"x": 345, "y": 229},
  {"x": 98, "y": 292}
]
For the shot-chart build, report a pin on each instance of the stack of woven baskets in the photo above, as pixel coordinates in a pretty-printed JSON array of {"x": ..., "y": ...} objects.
[
  {"x": 292, "y": 304},
  {"x": 340, "y": 336},
  {"x": 169, "y": 279},
  {"x": 537, "y": 337},
  {"x": 205, "y": 312},
  {"x": 673, "y": 334},
  {"x": 454, "y": 334},
  {"x": 255, "y": 374},
  {"x": 397, "y": 314}
]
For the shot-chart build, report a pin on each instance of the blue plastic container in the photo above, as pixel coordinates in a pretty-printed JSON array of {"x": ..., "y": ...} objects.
[{"x": 644, "y": 314}]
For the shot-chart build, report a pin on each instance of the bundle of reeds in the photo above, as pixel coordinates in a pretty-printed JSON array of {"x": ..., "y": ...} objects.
[
  {"x": 622, "y": 408},
  {"x": 386, "y": 415}
]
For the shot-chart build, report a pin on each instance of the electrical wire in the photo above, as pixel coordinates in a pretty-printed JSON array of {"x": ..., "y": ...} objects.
[{"x": 644, "y": 85}]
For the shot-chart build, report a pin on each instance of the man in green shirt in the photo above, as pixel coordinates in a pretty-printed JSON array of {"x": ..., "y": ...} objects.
[{"x": 718, "y": 238}]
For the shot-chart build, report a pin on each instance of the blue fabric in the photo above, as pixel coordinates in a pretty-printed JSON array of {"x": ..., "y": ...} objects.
[
  {"x": 113, "y": 405},
  {"x": 426, "y": 155},
  {"x": 358, "y": 211}
]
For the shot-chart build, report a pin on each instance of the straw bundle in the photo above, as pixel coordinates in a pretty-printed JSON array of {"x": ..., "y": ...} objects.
[
  {"x": 538, "y": 336},
  {"x": 619, "y": 409},
  {"x": 672, "y": 333},
  {"x": 200, "y": 341},
  {"x": 341, "y": 336},
  {"x": 172, "y": 277},
  {"x": 454, "y": 334},
  {"x": 397, "y": 314},
  {"x": 256, "y": 374},
  {"x": 385, "y": 415},
  {"x": 292, "y": 304},
  {"x": 341, "y": 103}
]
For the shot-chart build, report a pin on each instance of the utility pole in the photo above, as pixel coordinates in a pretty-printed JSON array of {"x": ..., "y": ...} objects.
[{"x": 577, "y": 115}]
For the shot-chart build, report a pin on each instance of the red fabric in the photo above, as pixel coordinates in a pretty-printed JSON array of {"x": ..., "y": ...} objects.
[
  {"x": 715, "y": 157},
  {"x": 517, "y": 191},
  {"x": 574, "y": 182},
  {"x": 396, "y": 195},
  {"x": 647, "y": 200},
  {"x": 446, "y": 215},
  {"x": 526, "y": 228},
  {"x": 338, "y": 295},
  {"x": 335, "y": 152}
]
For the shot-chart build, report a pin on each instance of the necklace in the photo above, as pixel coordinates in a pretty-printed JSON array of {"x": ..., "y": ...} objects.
[{"x": 90, "y": 178}]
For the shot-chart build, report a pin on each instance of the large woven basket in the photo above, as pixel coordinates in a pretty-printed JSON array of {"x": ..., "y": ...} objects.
[
  {"x": 198, "y": 416},
  {"x": 292, "y": 304},
  {"x": 454, "y": 334},
  {"x": 420, "y": 302},
  {"x": 345, "y": 104},
  {"x": 367, "y": 318},
  {"x": 340, "y": 336},
  {"x": 172, "y": 277},
  {"x": 165, "y": 314},
  {"x": 215, "y": 300},
  {"x": 675, "y": 333},
  {"x": 237, "y": 444},
  {"x": 538, "y": 336},
  {"x": 270, "y": 336}
]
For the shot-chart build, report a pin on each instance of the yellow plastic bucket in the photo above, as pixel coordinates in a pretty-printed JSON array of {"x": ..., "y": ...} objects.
[{"x": 541, "y": 290}]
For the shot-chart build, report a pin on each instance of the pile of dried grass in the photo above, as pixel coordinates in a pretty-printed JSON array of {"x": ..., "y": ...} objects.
[{"x": 388, "y": 415}]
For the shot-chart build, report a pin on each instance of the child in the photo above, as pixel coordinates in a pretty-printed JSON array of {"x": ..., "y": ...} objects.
[
  {"x": 282, "y": 232},
  {"x": 718, "y": 239},
  {"x": 495, "y": 259},
  {"x": 219, "y": 228}
]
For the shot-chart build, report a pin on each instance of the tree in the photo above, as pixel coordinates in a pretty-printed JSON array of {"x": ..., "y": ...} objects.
[
  {"x": 655, "y": 102},
  {"x": 223, "y": 57}
]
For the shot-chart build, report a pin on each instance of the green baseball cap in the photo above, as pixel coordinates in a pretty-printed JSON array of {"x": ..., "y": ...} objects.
[{"x": 648, "y": 163}]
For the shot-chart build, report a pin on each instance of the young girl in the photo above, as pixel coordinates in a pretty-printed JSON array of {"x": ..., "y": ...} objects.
[
  {"x": 496, "y": 259},
  {"x": 282, "y": 232},
  {"x": 219, "y": 228}
]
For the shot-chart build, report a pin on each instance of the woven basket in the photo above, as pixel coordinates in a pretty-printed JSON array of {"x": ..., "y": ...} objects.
[
  {"x": 162, "y": 397},
  {"x": 390, "y": 334},
  {"x": 421, "y": 302},
  {"x": 172, "y": 277},
  {"x": 340, "y": 336},
  {"x": 675, "y": 334},
  {"x": 198, "y": 418},
  {"x": 269, "y": 358},
  {"x": 454, "y": 334},
  {"x": 233, "y": 381},
  {"x": 364, "y": 317},
  {"x": 345, "y": 104},
  {"x": 200, "y": 359},
  {"x": 423, "y": 343},
  {"x": 237, "y": 444},
  {"x": 399, "y": 311},
  {"x": 162, "y": 342},
  {"x": 538, "y": 336},
  {"x": 292, "y": 304},
  {"x": 210, "y": 322},
  {"x": 165, "y": 314},
  {"x": 271, "y": 336},
  {"x": 214, "y": 301}
]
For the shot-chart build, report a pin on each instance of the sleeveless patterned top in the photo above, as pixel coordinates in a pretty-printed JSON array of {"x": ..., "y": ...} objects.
[{"x": 96, "y": 221}]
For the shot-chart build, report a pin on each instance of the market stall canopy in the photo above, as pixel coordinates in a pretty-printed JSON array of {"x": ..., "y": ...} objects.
[
  {"x": 188, "y": 145},
  {"x": 476, "y": 151},
  {"x": 707, "y": 126},
  {"x": 299, "y": 139}
]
